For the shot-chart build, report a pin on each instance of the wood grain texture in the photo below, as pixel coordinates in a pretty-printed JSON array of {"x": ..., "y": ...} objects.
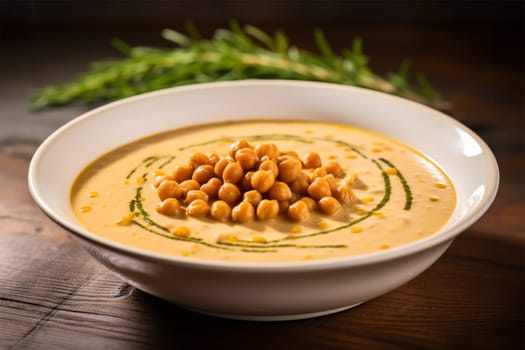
[{"x": 54, "y": 296}]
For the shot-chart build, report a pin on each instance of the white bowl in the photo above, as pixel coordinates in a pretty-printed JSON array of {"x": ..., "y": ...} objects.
[{"x": 270, "y": 291}]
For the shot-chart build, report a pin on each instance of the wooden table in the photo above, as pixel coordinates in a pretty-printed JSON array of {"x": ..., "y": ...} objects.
[{"x": 53, "y": 295}]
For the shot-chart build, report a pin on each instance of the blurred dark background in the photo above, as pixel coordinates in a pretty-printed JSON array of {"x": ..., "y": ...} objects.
[
  {"x": 492, "y": 31},
  {"x": 313, "y": 11}
]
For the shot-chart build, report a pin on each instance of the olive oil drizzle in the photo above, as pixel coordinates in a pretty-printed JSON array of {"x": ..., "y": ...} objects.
[
  {"x": 170, "y": 159},
  {"x": 265, "y": 245},
  {"x": 404, "y": 183},
  {"x": 144, "y": 161},
  {"x": 148, "y": 162},
  {"x": 248, "y": 138},
  {"x": 137, "y": 204},
  {"x": 381, "y": 204},
  {"x": 275, "y": 137},
  {"x": 177, "y": 238},
  {"x": 144, "y": 213},
  {"x": 231, "y": 246},
  {"x": 259, "y": 251},
  {"x": 137, "y": 209}
]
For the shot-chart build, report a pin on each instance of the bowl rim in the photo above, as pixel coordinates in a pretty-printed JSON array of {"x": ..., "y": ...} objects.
[{"x": 331, "y": 263}]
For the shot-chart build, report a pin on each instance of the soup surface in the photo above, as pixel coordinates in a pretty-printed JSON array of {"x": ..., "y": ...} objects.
[{"x": 401, "y": 195}]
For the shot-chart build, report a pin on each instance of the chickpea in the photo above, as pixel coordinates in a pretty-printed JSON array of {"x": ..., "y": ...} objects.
[
  {"x": 329, "y": 205},
  {"x": 220, "y": 211},
  {"x": 280, "y": 192},
  {"x": 246, "y": 184},
  {"x": 262, "y": 180},
  {"x": 215, "y": 181},
  {"x": 310, "y": 203},
  {"x": 319, "y": 188},
  {"x": 212, "y": 187},
  {"x": 298, "y": 211},
  {"x": 189, "y": 185},
  {"x": 291, "y": 154},
  {"x": 182, "y": 172},
  {"x": 229, "y": 193},
  {"x": 335, "y": 169},
  {"x": 233, "y": 173},
  {"x": 213, "y": 158},
  {"x": 289, "y": 170},
  {"x": 267, "y": 209},
  {"x": 169, "y": 207},
  {"x": 203, "y": 173},
  {"x": 345, "y": 195},
  {"x": 311, "y": 160},
  {"x": 295, "y": 198},
  {"x": 264, "y": 158},
  {"x": 331, "y": 182},
  {"x": 161, "y": 178},
  {"x": 196, "y": 194},
  {"x": 169, "y": 189},
  {"x": 300, "y": 184},
  {"x": 282, "y": 158},
  {"x": 198, "y": 207},
  {"x": 220, "y": 165},
  {"x": 319, "y": 172},
  {"x": 269, "y": 165},
  {"x": 247, "y": 158},
  {"x": 283, "y": 207},
  {"x": 253, "y": 197},
  {"x": 267, "y": 149},
  {"x": 198, "y": 158},
  {"x": 237, "y": 145},
  {"x": 243, "y": 212}
]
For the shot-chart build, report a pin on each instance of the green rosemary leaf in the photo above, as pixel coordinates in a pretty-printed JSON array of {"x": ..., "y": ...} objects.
[
  {"x": 239, "y": 52},
  {"x": 139, "y": 52},
  {"x": 357, "y": 51},
  {"x": 400, "y": 78},
  {"x": 121, "y": 46},
  {"x": 425, "y": 87},
  {"x": 281, "y": 43},
  {"x": 325, "y": 49},
  {"x": 175, "y": 37},
  {"x": 192, "y": 30},
  {"x": 261, "y": 36},
  {"x": 242, "y": 41}
]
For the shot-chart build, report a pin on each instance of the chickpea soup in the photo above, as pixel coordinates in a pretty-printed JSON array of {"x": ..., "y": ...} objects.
[{"x": 264, "y": 191}]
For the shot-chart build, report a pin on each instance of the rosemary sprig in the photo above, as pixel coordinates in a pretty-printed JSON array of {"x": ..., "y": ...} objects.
[{"x": 231, "y": 54}]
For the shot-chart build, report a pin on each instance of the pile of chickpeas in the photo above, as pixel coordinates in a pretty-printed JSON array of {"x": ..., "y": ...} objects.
[{"x": 253, "y": 182}]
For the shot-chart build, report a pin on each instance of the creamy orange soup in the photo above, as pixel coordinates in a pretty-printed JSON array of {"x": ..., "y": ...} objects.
[{"x": 402, "y": 196}]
